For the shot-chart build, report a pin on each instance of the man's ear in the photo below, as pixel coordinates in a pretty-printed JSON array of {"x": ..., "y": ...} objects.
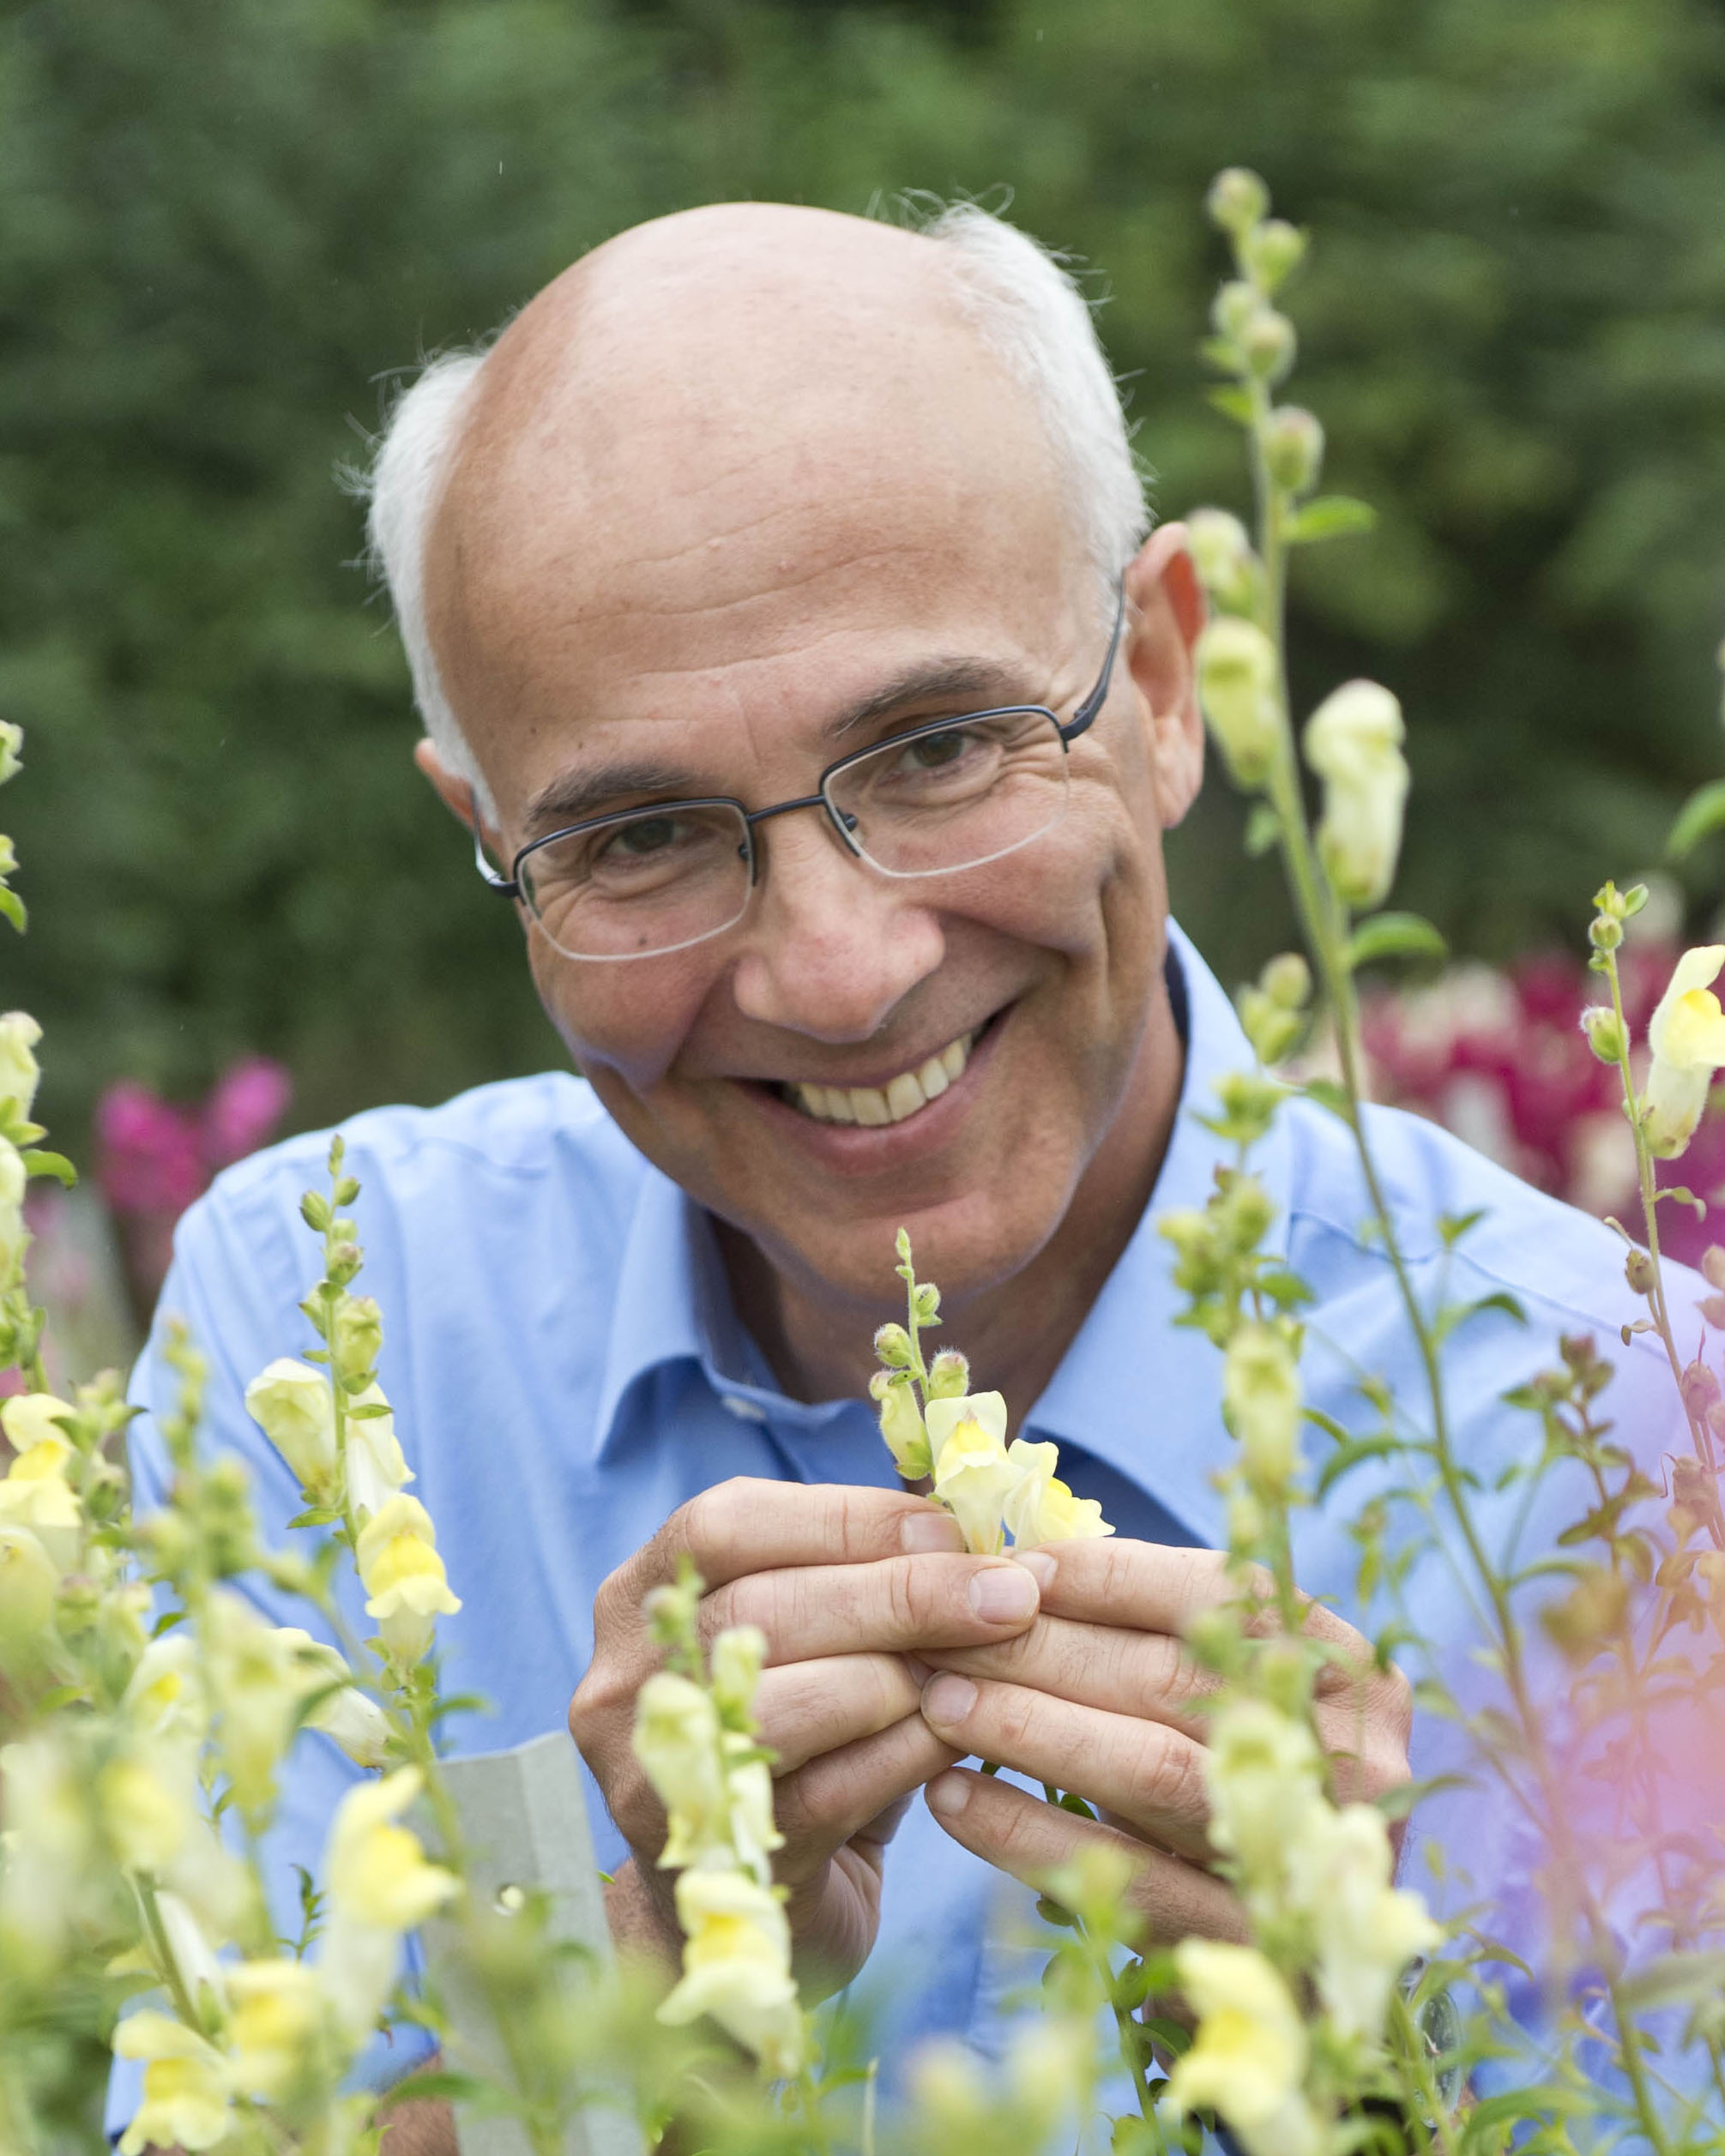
[
  {"x": 454, "y": 792},
  {"x": 1169, "y": 611}
]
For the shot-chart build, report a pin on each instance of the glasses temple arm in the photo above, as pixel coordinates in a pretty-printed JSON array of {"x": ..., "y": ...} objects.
[
  {"x": 507, "y": 885},
  {"x": 1099, "y": 695}
]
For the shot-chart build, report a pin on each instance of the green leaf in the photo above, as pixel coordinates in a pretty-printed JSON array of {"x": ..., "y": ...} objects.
[
  {"x": 1672, "y": 1980},
  {"x": 1700, "y": 817},
  {"x": 1394, "y": 936},
  {"x": 1233, "y": 404},
  {"x": 1452, "y": 1226},
  {"x": 1329, "y": 516},
  {"x": 1350, "y": 1456},
  {"x": 37, "y": 1162},
  {"x": 1678, "y": 1195},
  {"x": 1456, "y": 1315},
  {"x": 1327, "y": 1094}
]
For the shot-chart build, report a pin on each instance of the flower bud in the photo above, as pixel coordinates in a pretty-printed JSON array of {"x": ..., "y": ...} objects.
[
  {"x": 1639, "y": 1271},
  {"x": 19, "y": 1033},
  {"x": 11, "y": 744},
  {"x": 1238, "y": 199},
  {"x": 356, "y": 1340},
  {"x": 1261, "y": 1400},
  {"x": 1272, "y": 251},
  {"x": 1293, "y": 448},
  {"x": 1269, "y": 344},
  {"x": 1287, "y": 980},
  {"x": 1605, "y": 1033},
  {"x": 892, "y": 1345},
  {"x": 1234, "y": 310},
  {"x": 927, "y": 1302},
  {"x": 1270, "y": 1026},
  {"x": 1605, "y": 932},
  {"x": 901, "y": 1424},
  {"x": 948, "y": 1375},
  {"x": 1590, "y": 1616},
  {"x": 1237, "y": 682},
  {"x": 344, "y": 1262},
  {"x": 1222, "y": 554}
]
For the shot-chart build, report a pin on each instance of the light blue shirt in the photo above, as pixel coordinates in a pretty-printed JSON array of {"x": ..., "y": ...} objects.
[{"x": 566, "y": 1367}]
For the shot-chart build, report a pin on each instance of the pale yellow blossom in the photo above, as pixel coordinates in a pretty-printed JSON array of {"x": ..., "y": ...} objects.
[
  {"x": 351, "y": 1717},
  {"x": 146, "y": 1799},
  {"x": 736, "y": 1967},
  {"x": 186, "y": 2087},
  {"x": 1367, "y": 1931},
  {"x": 13, "y": 1180},
  {"x": 276, "y": 2032},
  {"x": 376, "y": 1466},
  {"x": 1263, "y": 1775},
  {"x": 900, "y": 1423},
  {"x": 1040, "y": 1508},
  {"x": 293, "y": 1404},
  {"x": 35, "y": 1493},
  {"x": 404, "y": 1576},
  {"x": 1248, "y": 2061},
  {"x": 1238, "y": 679},
  {"x": 28, "y": 1579},
  {"x": 1260, "y": 1395},
  {"x": 973, "y": 1475},
  {"x": 1686, "y": 1035},
  {"x": 1353, "y": 743},
  {"x": 18, "y": 1073},
  {"x": 677, "y": 1736},
  {"x": 377, "y": 1871}
]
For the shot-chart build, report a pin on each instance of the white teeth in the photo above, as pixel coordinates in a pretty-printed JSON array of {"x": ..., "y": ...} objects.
[
  {"x": 904, "y": 1096},
  {"x": 874, "y": 1106}
]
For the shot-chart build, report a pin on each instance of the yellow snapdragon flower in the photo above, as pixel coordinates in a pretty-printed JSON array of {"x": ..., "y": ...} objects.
[
  {"x": 376, "y": 1466},
  {"x": 1263, "y": 1775},
  {"x": 20, "y": 1073},
  {"x": 900, "y": 1423},
  {"x": 28, "y": 1579},
  {"x": 1248, "y": 2061},
  {"x": 973, "y": 1475},
  {"x": 1686, "y": 1035},
  {"x": 736, "y": 1967},
  {"x": 380, "y": 1885},
  {"x": 1040, "y": 1508},
  {"x": 404, "y": 1576},
  {"x": 1353, "y": 743},
  {"x": 291, "y": 1402},
  {"x": 276, "y": 2032},
  {"x": 1367, "y": 1931},
  {"x": 35, "y": 1493},
  {"x": 186, "y": 2087},
  {"x": 677, "y": 1734}
]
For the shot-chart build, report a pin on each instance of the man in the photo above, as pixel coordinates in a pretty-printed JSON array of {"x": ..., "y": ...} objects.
[{"x": 734, "y": 508}]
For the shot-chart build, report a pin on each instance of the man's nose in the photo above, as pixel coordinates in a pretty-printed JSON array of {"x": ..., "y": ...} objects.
[{"x": 833, "y": 946}]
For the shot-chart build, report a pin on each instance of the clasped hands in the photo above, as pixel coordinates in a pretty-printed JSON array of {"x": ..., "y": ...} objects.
[{"x": 892, "y": 1655}]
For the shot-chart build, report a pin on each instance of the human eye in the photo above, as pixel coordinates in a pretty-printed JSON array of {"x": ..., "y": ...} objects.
[{"x": 936, "y": 766}]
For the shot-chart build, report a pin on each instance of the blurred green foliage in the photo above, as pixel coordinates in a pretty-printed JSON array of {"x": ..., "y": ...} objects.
[{"x": 229, "y": 223}]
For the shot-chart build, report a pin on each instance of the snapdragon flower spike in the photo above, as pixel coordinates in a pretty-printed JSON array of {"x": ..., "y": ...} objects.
[{"x": 935, "y": 1426}]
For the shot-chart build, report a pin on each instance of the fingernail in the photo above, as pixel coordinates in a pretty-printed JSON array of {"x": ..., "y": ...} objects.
[
  {"x": 947, "y": 1700},
  {"x": 1038, "y": 1563},
  {"x": 1003, "y": 1593},
  {"x": 947, "y": 1794},
  {"x": 921, "y": 1533}
]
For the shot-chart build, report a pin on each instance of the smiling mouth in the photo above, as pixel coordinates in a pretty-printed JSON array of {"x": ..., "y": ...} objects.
[{"x": 874, "y": 1106}]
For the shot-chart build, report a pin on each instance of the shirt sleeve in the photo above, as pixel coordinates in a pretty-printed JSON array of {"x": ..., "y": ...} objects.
[{"x": 242, "y": 1261}]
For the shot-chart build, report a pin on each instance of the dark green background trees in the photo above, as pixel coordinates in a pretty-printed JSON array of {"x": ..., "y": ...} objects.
[{"x": 226, "y": 222}]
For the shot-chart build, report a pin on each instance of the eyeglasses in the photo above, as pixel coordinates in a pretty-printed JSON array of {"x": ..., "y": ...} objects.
[{"x": 955, "y": 794}]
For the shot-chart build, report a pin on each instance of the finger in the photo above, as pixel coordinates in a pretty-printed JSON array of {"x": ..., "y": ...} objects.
[
  {"x": 1147, "y": 1774},
  {"x": 1147, "y": 1674},
  {"x": 1152, "y": 1587},
  {"x": 1019, "y": 1833},
  {"x": 896, "y": 1605},
  {"x": 749, "y": 1525},
  {"x": 805, "y": 1708},
  {"x": 820, "y": 1807}
]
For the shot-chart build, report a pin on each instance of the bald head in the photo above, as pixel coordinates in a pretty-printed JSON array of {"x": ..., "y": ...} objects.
[{"x": 729, "y": 396}]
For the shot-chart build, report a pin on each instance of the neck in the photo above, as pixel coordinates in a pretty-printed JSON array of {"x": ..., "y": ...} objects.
[{"x": 1015, "y": 1334}]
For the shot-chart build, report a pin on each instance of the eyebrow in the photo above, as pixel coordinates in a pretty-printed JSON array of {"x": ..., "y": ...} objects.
[{"x": 572, "y": 797}]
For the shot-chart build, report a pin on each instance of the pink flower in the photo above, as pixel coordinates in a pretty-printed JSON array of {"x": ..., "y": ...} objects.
[{"x": 154, "y": 1158}]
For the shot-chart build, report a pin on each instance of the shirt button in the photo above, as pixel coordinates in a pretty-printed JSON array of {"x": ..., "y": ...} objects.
[{"x": 744, "y": 1410}]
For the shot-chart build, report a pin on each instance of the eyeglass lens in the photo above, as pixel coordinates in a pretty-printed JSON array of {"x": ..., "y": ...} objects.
[{"x": 661, "y": 878}]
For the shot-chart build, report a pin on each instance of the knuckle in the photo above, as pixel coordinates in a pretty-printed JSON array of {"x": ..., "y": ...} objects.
[{"x": 1170, "y": 1777}]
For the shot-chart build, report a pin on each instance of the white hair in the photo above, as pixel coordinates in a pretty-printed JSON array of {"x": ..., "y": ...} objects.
[{"x": 1024, "y": 304}]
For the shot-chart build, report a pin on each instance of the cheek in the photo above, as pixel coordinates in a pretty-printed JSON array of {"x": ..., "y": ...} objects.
[{"x": 621, "y": 1022}]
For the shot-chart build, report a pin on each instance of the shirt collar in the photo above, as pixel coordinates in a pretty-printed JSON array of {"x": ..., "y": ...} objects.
[{"x": 1134, "y": 1388}]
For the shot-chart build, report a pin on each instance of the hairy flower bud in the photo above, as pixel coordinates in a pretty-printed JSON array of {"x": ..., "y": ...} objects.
[
  {"x": 1605, "y": 1033},
  {"x": 1293, "y": 448},
  {"x": 356, "y": 1340},
  {"x": 948, "y": 1375},
  {"x": 892, "y": 1345},
  {"x": 1639, "y": 1271},
  {"x": 1222, "y": 555},
  {"x": 1238, "y": 199},
  {"x": 1287, "y": 980},
  {"x": 1233, "y": 310},
  {"x": 1272, "y": 251},
  {"x": 1605, "y": 932},
  {"x": 1237, "y": 683},
  {"x": 1270, "y": 1027},
  {"x": 1269, "y": 344}
]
